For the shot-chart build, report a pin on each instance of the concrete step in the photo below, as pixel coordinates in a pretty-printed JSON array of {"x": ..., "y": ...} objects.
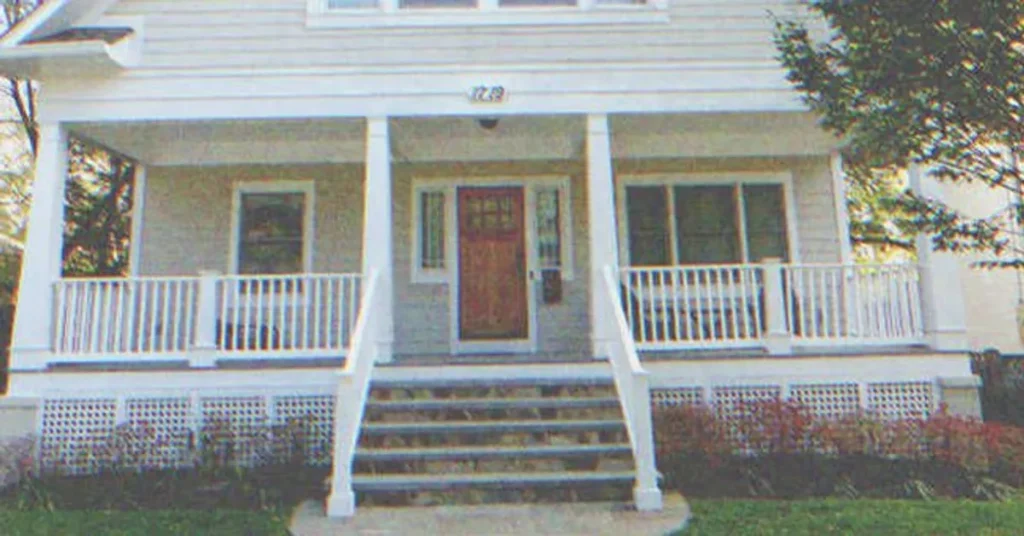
[
  {"x": 490, "y": 452},
  {"x": 477, "y": 427},
  {"x": 420, "y": 482},
  {"x": 491, "y": 403}
]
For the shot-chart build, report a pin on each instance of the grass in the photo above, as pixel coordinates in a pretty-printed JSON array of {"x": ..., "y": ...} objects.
[
  {"x": 148, "y": 523},
  {"x": 828, "y": 516}
]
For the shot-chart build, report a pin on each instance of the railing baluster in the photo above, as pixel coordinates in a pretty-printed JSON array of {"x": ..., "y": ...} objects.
[
  {"x": 687, "y": 310},
  {"x": 664, "y": 306},
  {"x": 317, "y": 313}
]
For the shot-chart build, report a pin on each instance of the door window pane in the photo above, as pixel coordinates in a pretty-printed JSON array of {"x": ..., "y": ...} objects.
[
  {"x": 271, "y": 237},
  {"x": 549, "y": 228},
  {"x": 706, "y": 225},
  {"x": 648, "y": 226},
  {"x": 432, "y": 230},
  {"x": 766, "y": 222}
]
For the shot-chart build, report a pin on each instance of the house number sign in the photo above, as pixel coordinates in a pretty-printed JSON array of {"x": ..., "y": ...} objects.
[{"x": 488, "y": 94}]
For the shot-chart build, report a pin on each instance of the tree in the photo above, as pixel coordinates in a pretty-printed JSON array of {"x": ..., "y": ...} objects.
[
  {"x": 936, "y": 83},
  {"x": 98, "y": 192}
]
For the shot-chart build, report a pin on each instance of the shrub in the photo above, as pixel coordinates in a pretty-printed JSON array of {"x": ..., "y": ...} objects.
[
  {"x": 1002, "y": 391},
  {"x": 778, "y": 448}
]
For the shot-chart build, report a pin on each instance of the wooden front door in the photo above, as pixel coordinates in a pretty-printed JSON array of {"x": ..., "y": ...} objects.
[{"x": 492, "y": 264}]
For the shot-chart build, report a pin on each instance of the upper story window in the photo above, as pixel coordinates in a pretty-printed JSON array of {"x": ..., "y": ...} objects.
[{"x": 432, "y": 13}]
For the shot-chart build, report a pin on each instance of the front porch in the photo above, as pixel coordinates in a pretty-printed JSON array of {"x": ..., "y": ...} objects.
[{"x": 579, "y": 246}]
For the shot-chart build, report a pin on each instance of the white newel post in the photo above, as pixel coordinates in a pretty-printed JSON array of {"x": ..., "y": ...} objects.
[
  {"x": 604, "y": 249},
  {"x": 377, "y": 230},
  {"x": 205, "y": 347},
  {"x": 942, "y": 299},
  {"x": 41, "y": 261},
  {"x": 777, "y": 338}
]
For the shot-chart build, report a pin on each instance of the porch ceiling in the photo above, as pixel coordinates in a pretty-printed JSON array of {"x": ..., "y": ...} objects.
[{"x": 459, "y": 138}]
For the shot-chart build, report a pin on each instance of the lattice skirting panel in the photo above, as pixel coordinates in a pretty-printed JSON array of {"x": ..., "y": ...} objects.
[
  {"x": 827, "y": 400},
  {"x": 81, "y": 435}
]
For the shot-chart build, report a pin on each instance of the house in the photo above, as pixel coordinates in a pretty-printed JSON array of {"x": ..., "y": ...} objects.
[{"x": 579, "y": 200}]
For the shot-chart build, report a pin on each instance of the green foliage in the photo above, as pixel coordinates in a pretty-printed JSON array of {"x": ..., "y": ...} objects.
[
  {"x": 818, "y": 517},
  {"x": 938, "y": 83},
  {"x": 154, "y": 523},
  {"x": 1002, "y": 393}
]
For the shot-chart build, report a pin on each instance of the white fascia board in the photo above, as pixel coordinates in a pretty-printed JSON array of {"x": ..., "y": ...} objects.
[
  {"x": 40, "y": 20},
  {"x": 26, "y": 61},
  {"x": 53, "y": 16}
]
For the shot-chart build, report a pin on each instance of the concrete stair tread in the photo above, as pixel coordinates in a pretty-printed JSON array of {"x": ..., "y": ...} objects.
[
  {"x": 479, "y": 452},
  {"x": 492, "y": 403},
  {"x": 509, "y": 426},
  {"x": 396, "y": 482}
]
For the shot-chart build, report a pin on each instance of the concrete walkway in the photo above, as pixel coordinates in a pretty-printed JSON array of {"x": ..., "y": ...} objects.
[{"x": 534, "y": 519}]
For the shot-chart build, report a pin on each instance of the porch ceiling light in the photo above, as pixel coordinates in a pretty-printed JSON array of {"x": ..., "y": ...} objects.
[{"x": 488, "y": 123}]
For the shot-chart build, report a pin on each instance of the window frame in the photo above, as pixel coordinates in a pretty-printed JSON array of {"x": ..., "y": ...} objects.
[
  {"x": 735, "y": 180},
  {"x": 530, "y": 185},
  {"x": 389, "y": 13},
  {"x": 304, "y": 187}
]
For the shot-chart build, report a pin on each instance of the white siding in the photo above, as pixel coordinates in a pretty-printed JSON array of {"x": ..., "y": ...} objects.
[{"x": 261, "y": 53}]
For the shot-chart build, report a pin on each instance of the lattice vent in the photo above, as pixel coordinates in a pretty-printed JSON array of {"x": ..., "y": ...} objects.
[
  {"x": 827, "y": 400},
  {"x": 235, "y": 429},
  {"x": 901, "y": 400},
  {"x": 684, "y": 396},
  {"x": 165, "y": 426},
  {"x": 309, "y": 419},
  {"x": 74, "y": 434},
  {"x": 728, "y": 399}
]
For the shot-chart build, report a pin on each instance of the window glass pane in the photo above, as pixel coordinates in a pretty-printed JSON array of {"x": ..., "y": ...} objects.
[
  {"x": 706, "y": 225},
  {"x": 766, "y": 222},
  {"x": 417, "y": 4},
  {"x": 346, "y": 4},
  {"x": 432, "y": 230},
  {"x": 535, "y": 3},
  {"x": 271, "y": 240},
  {"x": 646, "y": 212},
  {"x": 549, "y": 228}
]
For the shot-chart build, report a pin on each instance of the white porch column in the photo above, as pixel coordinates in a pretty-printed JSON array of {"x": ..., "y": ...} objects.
[
  {"x": 842, "y": 211},
  {"x": 604, "y": 249},
  {"x": 942, "y": 299},
  {"x": 42, "y": 259},
  {"x": 378, "y": 244}
]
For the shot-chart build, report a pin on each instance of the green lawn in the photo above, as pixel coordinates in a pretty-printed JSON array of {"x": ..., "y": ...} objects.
[
  {"x": 815, "y": 517},
  {"x": 151, "y": 523}
]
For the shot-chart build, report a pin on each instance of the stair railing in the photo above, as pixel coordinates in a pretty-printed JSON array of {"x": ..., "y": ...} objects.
[
  {"x": 633, "y": 385},
  {"x": 350, "y": 404}
]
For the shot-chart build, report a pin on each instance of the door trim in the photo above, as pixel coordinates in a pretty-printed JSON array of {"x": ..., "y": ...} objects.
[{"x": 527, "y": 182}]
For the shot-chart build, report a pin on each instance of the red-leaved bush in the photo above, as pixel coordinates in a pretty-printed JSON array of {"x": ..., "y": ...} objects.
[{"x": 754, "y": 435}]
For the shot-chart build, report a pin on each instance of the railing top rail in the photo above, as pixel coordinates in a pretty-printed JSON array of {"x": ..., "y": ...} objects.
[
  {"x": 625, "y": 335},
  {"x": 685, "y": 267},
  {"x": 902, "y": 265},
  {"x": 272, "y": 277},
  {"x": 360, "y": 331},
  {"x": 127, "y": 279}
]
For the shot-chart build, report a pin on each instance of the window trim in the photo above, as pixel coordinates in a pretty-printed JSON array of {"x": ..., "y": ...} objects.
[
  {"x": 487, "y": 13},
  {"x": 305, "y": 187},
  {"x": 449, "y": 185},
  {"x": 785, "y": 179}
]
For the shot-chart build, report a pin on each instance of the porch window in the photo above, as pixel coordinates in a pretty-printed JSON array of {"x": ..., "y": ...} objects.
[
  {"x": 272, "y": 228},
  {"x": 430, "y": 229},
  {"x": 676, "y": 224}
]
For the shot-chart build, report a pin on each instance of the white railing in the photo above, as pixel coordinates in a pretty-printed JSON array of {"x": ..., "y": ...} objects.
[
  {"x": 110, "y": 317},
  {"x": 282, "y": 316},
  {"x": 878, "y": 303},
  {"x": 772, "y": 305},
  {"x": 353, "y": 392},
  {"x": 694, "y": 306},
  {"x": 633, "y": 385},
  {"x": 291, "y": 313}
]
